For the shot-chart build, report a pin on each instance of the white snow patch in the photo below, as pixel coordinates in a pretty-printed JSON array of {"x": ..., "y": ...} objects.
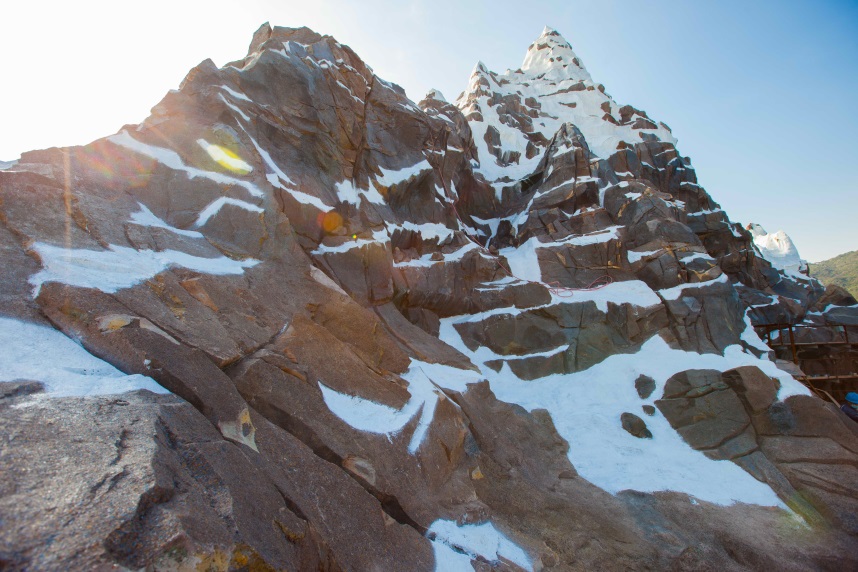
[
  {"x": 145, "y": 217},
  {"x": 436, "y": 95},
  {"x": 634, "y": 292},
  {"x": 282, "y": 181},
  {"x": 449, "y": 541},
  {"x": 779, "y": 250},
  {"x": 215, "y": 206},
  {"x": 429, "y": 230},
  {"x": 424, "y": 379},
  {"x": 236, "y": 94},
  {"x": 426, "y": 259},
  {"x": 348, "y": 193},
  {"x": 120, "y": 266},
  {"x": 586, "y": 407},
  {"x": 634, "y": 256},
  {"x": 691, "y": 256},
  {"x": 172, "y": 160},
  {"x": 235, "y": 108},
  {"x": 750, "y": 336},
  {"x": 675, "y": 292},
  {"x": 524, "y": 262},
  {"x": 379, "y": 237},
  {"x": 492, "y": 223},
  {"x": 390, "y": 177},
  {"x": 69, "y": 370}
]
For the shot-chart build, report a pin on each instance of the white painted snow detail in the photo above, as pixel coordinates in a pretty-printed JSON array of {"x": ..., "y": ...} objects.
[
  {"x": 235, "y": 108},
  {"x": 750, "y": 336},
  {"x": 634, "y": 256},
  {"x": 215, "y": 207},
  {"x": 390, "y": 177},
  {"x": 236, "y": 94},
  {"x": 635, "y": 292},
  {"x": 348, "y": 193},
  {"x": 145, "y": 217},
  {"x": 455, "y": 546},
  {"x": 120, "y": 266},
  {"x": 779, "y": 250},
  {"x": 424, "y": 379},
  {"x": 426, "y": 259},
  {"x": 586, "y": 407},
  {"x": 172, "y": 160},
  {"x": 70, "y": 371},
  {"x": 675, "y": 292},
  {"x": 436, "y": 95},
  {"x": 429, "y": 230},
  {"x": 555, "y": 78},
  {"x": 524, "y": 262}
]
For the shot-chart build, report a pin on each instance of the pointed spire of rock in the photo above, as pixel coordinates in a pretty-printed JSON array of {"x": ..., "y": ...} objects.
[
  {"x": 552, "y": 54},
  {"x": 260, "y": 36},
  {"x": 479, "y": 69}
]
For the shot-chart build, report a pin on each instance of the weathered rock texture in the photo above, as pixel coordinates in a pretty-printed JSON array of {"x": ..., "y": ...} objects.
[{"x": 367, "y": 314}]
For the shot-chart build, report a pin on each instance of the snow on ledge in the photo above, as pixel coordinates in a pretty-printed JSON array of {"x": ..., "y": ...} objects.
[
  {"x": 172, "y": 160},
  {"x": 145, "y": 217},
  {"x": 454, "y": 546},
  {"x": 675, "y": 292},
  {"x": 70, "y": 371},
  {"x": 391, "y": 177},
  {"x": 586, "y": 407},
  {"x": 120, "y": 266},
  {"x": 424, "y": 380}
]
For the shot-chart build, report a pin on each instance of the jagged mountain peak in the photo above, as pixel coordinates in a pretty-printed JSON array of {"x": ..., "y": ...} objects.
[
  {"x": 480, "y": 69},
  {"x": 515, "y": 114},
  {"x": 324, "y": 277},
  {"x": 551, "y": 54}
]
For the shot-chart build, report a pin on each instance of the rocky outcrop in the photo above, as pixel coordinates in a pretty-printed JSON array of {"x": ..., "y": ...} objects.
[{"x": 508, "y": 333}]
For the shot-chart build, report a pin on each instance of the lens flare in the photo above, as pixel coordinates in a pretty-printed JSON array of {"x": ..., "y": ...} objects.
[
  {"x": 331, "y": 222},
  {"x": 225, "y": 158},
  {"x": 112, "y": 167}
]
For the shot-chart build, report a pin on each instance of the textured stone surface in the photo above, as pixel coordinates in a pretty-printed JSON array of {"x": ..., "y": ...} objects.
[{"x": 365, "y": 235}]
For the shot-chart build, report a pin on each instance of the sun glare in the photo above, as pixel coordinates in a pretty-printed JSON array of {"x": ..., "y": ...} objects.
[{"x": 225, "y": 158}]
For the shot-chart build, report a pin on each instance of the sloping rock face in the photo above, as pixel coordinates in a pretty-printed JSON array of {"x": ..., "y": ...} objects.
[{"x": 508, "y": 333}]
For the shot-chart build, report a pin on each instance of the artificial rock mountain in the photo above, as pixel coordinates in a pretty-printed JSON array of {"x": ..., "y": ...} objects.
[{"x": 379, "y": 343}]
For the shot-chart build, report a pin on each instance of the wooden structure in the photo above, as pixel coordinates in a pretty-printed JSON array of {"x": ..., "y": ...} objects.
[{"x": 824, "y": 353}]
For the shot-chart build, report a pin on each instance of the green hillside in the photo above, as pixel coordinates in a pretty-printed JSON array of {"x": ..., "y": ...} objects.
[{"x": 841, "y": 270}]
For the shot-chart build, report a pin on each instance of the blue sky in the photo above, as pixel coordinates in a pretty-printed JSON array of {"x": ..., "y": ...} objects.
[{"x": 762, "y": 95}]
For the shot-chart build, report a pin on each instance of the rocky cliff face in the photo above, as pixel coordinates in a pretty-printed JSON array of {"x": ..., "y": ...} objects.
[{"x": 508, "y": 333}]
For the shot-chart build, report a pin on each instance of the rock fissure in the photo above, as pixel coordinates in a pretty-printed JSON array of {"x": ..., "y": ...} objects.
[{"x": 406, "y": 248}]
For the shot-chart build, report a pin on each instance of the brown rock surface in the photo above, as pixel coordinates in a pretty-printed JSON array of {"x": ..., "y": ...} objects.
[{"x": 381, "y": 331}]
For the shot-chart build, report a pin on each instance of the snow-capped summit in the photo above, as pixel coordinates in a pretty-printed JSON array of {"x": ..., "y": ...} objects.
[
  {"x": 779, "y": 249},
  {"x": 514, "y": 115},
  {"x": 436, "y": 95},
  {"x": 319, "y": 271},
  {"x": 553, "y": 56}
]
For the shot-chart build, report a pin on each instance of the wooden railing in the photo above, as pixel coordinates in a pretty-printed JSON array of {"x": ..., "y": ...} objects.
[{"x": 824, "y": 353}]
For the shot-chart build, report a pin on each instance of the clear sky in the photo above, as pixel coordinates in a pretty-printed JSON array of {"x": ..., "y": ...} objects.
[{"x": 763, "y": 95}]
